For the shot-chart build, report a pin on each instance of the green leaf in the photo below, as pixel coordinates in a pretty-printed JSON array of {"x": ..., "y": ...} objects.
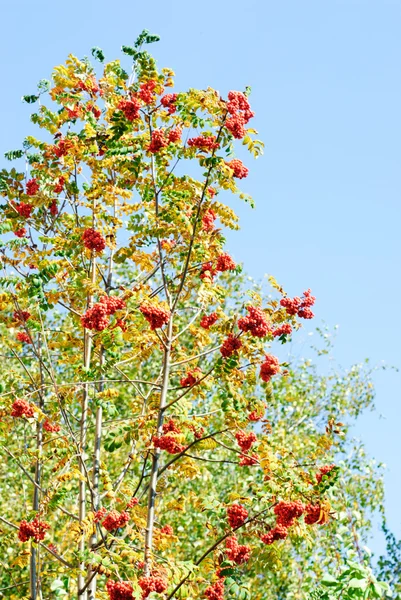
[
  {"x": 44, "y": 86},
  {"x": 130, "y": 51},
  {"x": 358, "y": 583},
  {"x": 13, "y": 154},
  {"x": 329, "y": 580},
  {"x": 31, "y": 99},
  {"x": 150, "y": 39},
  {"x": 97, "y": 53}
]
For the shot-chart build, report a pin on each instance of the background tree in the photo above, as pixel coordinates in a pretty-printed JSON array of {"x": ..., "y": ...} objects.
[{"x": 137, "y": 369}]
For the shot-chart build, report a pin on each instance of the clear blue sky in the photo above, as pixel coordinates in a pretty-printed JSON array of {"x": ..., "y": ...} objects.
[{"x": 326, "y": 88}]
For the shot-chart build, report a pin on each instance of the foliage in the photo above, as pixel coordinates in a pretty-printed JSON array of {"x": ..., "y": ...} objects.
[{"x": 151, "y": 443}]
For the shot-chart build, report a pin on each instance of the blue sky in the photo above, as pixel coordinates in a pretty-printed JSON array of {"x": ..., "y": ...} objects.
[{"x": 326, "y": 88}]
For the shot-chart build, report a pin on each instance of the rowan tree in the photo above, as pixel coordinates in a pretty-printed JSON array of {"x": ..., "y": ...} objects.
[{"x": 138, "y": 371}]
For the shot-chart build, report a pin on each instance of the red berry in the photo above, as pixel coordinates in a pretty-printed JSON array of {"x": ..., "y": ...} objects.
[
  {"x": 245, "y": 440},
  {"x": 168, "y": 101},
  {"x": 93, "y": 240},
  {"x": 256, "y": 322},
  {"x": 168, "y": 443},
  {"x": 235, "y": 552},
  {"x": 324, "y": 471},
  {"x": 230, "y": 345},
  {"x": 167, "y": 530},
  {"x": 32, "y": 187},
  {"x": 278, "y": 533},
  {"x": 22, "y": 408},
  {"x": 208, "y": 320},
  {"x": 24, "y": 337},
  {"x": 237, "y": 515},
  {"x": 119, "y": 590},
  {"x": 130, "y": 108},
  {"x": 287, "y": 512},
  {"x": 155, "y": 315},
  {"x": 208, "y": 220},
  {"x": 24, "y": 209},
  {"x": 269, "y": 367},
  {"x": 215, "y": 591},
  {"x": 157, "y": 141},
  {"x": 20, "y": 232},
  {"x": 225, "y": 263},
  {"x": 153, "y": 583},
  {"x": 239, "y": 169},
  {"x": 35, "y": 529},
  {"x": 204, "y": 142},
  {"x": 115, "y": 520}
]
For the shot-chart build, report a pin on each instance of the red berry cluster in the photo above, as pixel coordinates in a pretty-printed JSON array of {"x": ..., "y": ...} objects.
[
  {"x": 174, "y": 135},
  {"x": 167, "y": 530},
  {"x": 287, "y": 512},
  {"x": 208, "y": 271},
  {"x": 208, "y": 320},
  {"x": 157, "y": 141},
  {"x": 299, "y": 306},
  {"x": 146, "y": 91},
  {"x": 97, "y": 317},
  {"x": 51, "y": 427},
  {"x": 153, "y": 583},
  {"x": 237, "y": 515},
  {"x": 119, "y": 590},
  {"x": 168, "y": 443},
  {"x": 256, "y": 322},
  {"x": 32, "y": 187},
  {"x": 284, "y": 329},
  {"x": 249, "y": 461},
  {"x": 315, "y": 514},
  {"x": 240, "y": 111},
  {"x": 35, "y": 529},
  {"x": 171, "y": 427},
  {"x": 130, "y": 108},
  {"x": 215, "y": 591},
  {"x": 286, "y": 515},
  {"x": 114, "y": 520},
  {"x": 24, "y": 337},
  {"x": 240, "y": 170},
  {"x": 269, "y": 367},
  {"x": 93, "y": 240},
  {"x": 22, "y": 315},
  {"x": 235, "y": 552},
  {"x": 168, "y": 101},
  {"x": 53, "y": 208},
  {"x": 22, "y": 408},
  {"x": 155, "y": 315},
  {"x": 230, "y": 345},
  {"x": 278, "y": 533},
  {"x": 20, "y": 232},
  {"x": 204, "y": 142},
  {"x": 245, "y": 440},
  {"x": 225, "y": 263},
  {"x": 58, "y": 188},
  {"x": 208, "y": 220},
  {"x": 133, "y": 502},
  {"x": 24, "y": 209},
  {"x": 324, "y": 471},
  {"x": 255, "y": 416},
  {"x": 198, "y": 433},
  {"x": 100, "y": 514},
  {"x": 191, "y": 378}
]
